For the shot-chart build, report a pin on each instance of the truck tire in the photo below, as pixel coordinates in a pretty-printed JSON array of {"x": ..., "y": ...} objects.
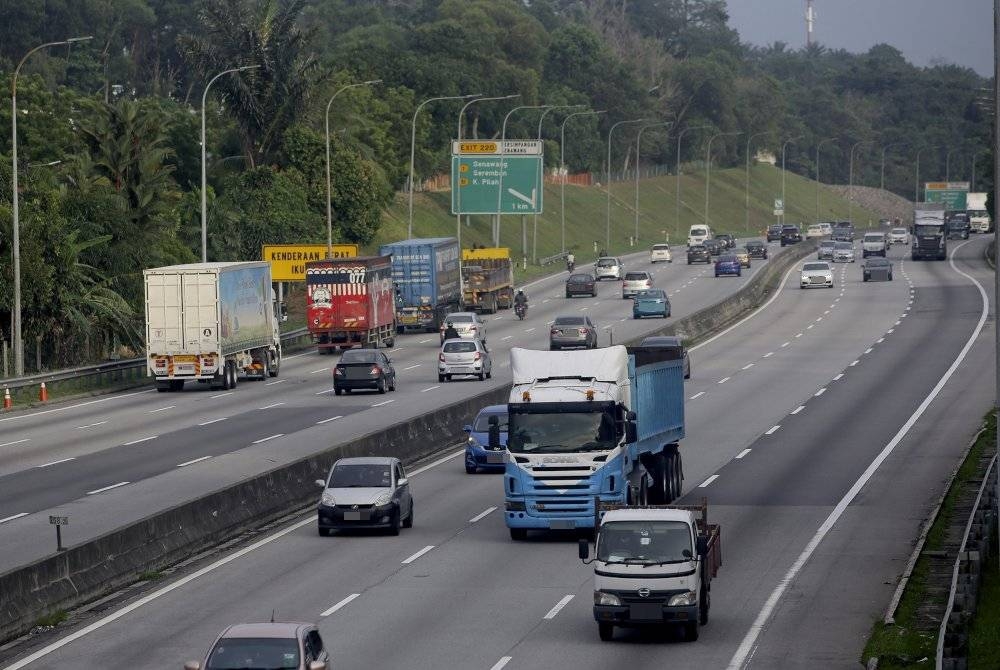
[
  {"x": 176, "y": 385},
  {"x": 519, "y": 534},
  {"x": 226, "y": 380},
  {"x": 606, "y": 631},
  {"x": 162, "y": 387},
  {"x": 275, "y": 366},
  {"x": 233, "y": 375}
]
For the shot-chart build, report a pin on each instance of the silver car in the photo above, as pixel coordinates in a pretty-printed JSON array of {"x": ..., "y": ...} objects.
[
  {"x": 464, "y": 357},
  {"x": 825, "y": 250},
  {"x": 899, "y": 236},
  {"x": 468, "y": 324},
  {"x": 843, "y": 252},
  {"x": 608, "y": 267},
  {"x": 635, "y": 282},
  {"x": 295, "y": 646},
  {"x": 365, "y": 492}
]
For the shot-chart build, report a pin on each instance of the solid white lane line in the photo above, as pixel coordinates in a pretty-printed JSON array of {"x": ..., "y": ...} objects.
[
  {"x": 724, "y": 380},
  {"x": 340, "y": 604},
  {"x": 11, "y": 518},
  {"x": 392, "y": 351},
  {"x": 772, "y": 430},
  {"x": 106, "y": 488},
  {"x": 417, "y": 365},
  {"x": 838, "y": 377},
  {"x": 818, "y": 319},
  {"x": 820, "y": 392},
  {"x": 61, "y": 460},
  {"x": 221, "y": 395},
  {"x": 697, "y": 395},
  {"x": 505, "y": 338},
  {"x": 430, "y": 388},
  {"x": 854, "y": 363},
  {"x": 410, "y": 559},
  {"x": 897, "y": 323},
  {"x": 162, "y": 409},
  {"x": 278, "y": 381},
  {"x": 743, "y": 453},
  {"x": 269, "y": 437},
  {"x": 747, "y": 366},
  {"x": 798, "y": 409},
  {"x": 768, "y": 354},
  {"x": 383, "y": 403},
  {"x": 546, "y": 300},
  {"x": 208, "y": 423},
  {"x": 10, "y": 444},
  {"x": 90, "y": 425},
  {"x": 277, "y": 404},
  {"x": 316, "y": 372},
  {"x": 324, "y": 392},
  {"x": 502, "y": 663},
  {"x": 193, "y": 461},
  {"x": 141, "y": 439},
  {"x": 425, "y": 341},
  {"x": 530, "y": 329},
  {"x": 482, "y": 515},
  {"x": 708, "y": 481},
  {"x": 332, "y": 418},
  {"x": 558, "y": 607}
]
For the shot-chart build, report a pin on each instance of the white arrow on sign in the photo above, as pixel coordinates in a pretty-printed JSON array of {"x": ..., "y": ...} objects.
[{"x": 521, "y": 196}]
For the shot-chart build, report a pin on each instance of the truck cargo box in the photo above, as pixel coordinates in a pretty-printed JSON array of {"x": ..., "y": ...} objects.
[
  {"x": 426, "y": 274},
  {"x": 350, "y": 300}
]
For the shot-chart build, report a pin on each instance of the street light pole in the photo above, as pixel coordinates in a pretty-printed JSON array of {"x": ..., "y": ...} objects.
[
  {"x": 882, "y": 169},
  {"x": 947, "y": 163},
  {"x": 818, "y": 146},
  {"x": 534, "y": 232},
  {"x": 746, "y": 205},
  {"x": 329, "y": 192},
  {"x": 677, "y": 199},
  {"x": 976, "y": 155},
  {"x": 850, "y": 181},
  {"x": 413, "y": 151},
  {"x": 15, "y": 316},
  {"x": 783, "y": 147},
  {"x": 916, "y": 181},
  {"x": 708, "y": 165},
  {"x": 204, "y": 180},
  {"x": 638, "y": 140},
  {"x": 503, "y": 166},
  {"x": 607, "y": 217},
  {"x": 562, "y": 172}
]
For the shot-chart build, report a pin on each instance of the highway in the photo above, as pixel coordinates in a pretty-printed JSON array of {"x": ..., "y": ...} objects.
[
  {"x": 821, "y": 430},
  {"x": 121, "y": 457}
]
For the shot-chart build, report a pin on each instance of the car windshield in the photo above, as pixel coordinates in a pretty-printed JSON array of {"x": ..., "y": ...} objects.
[
  {"x": 360, "y": 475},
  {"x": 927, "y": 229},
  {"x": 635, "y": 276},
  {"x": 359, "y": 356},
  {"x": 562, "y": 432},
  {"x": 644, "y": 542},
  {"x": 873, "y": 238},
  {"x": 651, "y": 294},
  {"x": 568, "y": 321},
  {"x": 899, "y": 231},
  {"x": 482, "y": 424},
  {"x": 841, "y": 246},
  {"x": 607, "y": 263},
  {"x": 251, "y": 653},
  {"x": 580, "y": 279},
  {"x": 451, "y": 347},
  {"x": 810, "y": 267}
]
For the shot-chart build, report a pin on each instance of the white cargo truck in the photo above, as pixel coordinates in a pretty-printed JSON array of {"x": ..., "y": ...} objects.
[
  {"x": 979, "y": 216},
  {"x": 211, "y": 323}
]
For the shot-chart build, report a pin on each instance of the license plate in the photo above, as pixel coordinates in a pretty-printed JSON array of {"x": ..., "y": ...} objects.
[
  {"x": 356, "y": 516},
  {"x": 494, "y": 457},
  {"x": 562, "y": 525},
  {"x": 645, "y": 612}
]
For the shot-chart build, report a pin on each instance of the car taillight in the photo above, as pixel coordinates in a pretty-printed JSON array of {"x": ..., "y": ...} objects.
[
  {"x": 477, "y": 356},
  {"x": 338, "y": 372},
  {"x": 375, "y": 370},
  {"x": 441, "y": 357},
  {"x": 648, "y": 283},
  {"x": 473, "y": 328},
  {"x": 554, "y": 332}
]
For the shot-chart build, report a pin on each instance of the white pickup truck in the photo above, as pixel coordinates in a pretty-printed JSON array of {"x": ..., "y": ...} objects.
[{"x": 873, "y": 244}]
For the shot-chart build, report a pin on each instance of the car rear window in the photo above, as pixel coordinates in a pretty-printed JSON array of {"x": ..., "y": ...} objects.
[
  {"x": 698, "y": 232},
  {"x": 652, "y": 294},
  {"x": 844, "y": 245},
  {"x": 460, "y": 318},
  {"x": 635, "y": 276},
  {"x": 580, "y": 279},
  {"x": 607, "y": 263},
  {"x": 459, "y": 347},
  {"x": 568, "y": 321},
  {"x": 827, "y": 243},
  {"x": 877, "y": 262},
  {"x": 873, "y": 237},
  {"x": 727, "y": 259},
  {"x": 661, "y": 247},
  {"x": 899, "y": 231},
  {"x": 358, "y": 356}
]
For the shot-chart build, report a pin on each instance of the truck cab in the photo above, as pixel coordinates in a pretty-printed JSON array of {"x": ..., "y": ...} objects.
[{"x": 929, "y": 239}]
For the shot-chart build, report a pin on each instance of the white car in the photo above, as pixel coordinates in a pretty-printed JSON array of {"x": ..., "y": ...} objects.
[
  {"x": 608, "y": 267},
  {"x": 899, "y": 236},
  {"x": 873, "y": 244},
  {"x": 698, "y": 234},
  {"x": 843, "y": 252},
  {"x": 660, "y": 252},
  {"x": 635, "y": 282},
  {"x": 814, "y": 231},
  {"x": 825, "y": 227},
  {"x": 816, "y": 274},
  {"x": 468, "y": 324},
  {"x": 464, "y": 357}
]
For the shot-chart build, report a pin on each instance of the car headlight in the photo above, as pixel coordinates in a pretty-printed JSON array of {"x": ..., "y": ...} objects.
[
  {"x": 327, "y": 499},
  {"x": 602, "y": 598},
  {"x": 473, "y": 442},
  {"x": 383, "y": 499},
  {"x": 689, "y": 598}
]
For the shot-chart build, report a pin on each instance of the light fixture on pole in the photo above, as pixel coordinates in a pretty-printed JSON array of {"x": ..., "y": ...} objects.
[
  {"x": 329, "y": 192},
  {"x": 784, "y": 146},
  {"x": 534, "y": 233},
  {"x": 708, "y": 165},
  {"x": 503, "y": 166},
  {"x": 638, "y": 140},
  {"x": 15, "y": 315},
  {"x": 413, "y": 151},
  {"x": 607, "y": 219},
  {"x": 916, "y": 179},
  {"x": 204, "y": 200},
  {"x": 562, "y": 172},
  {"x": 818, "y": 147},
  {"x": 746, "y": 197},
  {"x": 850, "y": 181},
  {"x": 677, "y": 199}
]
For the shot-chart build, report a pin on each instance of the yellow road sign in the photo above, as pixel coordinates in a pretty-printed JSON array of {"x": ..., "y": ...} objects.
[
  {"x": 478, "y": 147},
  {"x": 288, "y": 261}
]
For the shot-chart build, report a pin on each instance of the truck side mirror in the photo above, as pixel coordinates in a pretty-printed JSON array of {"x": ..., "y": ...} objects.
[
  {"x": 583, "y": 549},
  {"x": 702, "y": 545},
  {"x": 494, "y": 433},
  {"x": 631, "y": 434}
]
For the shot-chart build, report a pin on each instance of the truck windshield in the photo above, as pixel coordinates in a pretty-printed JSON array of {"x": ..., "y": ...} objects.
[
  {"x": 644, "y": 542},
  {"x": 563, "y": 432},
  {"x": 927, "y": 229}
]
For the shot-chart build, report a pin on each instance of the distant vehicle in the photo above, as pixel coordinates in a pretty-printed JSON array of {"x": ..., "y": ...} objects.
[
  {"x": 487, "y": 280},
  {"x": 572, "y": 331},
  {"x": 464, "y": 358},
  {"x": 979, "y": 216},
  {"x": 774, "y": 232},
  {"x": 698, "y": 234},
  {"x": 825, "y": 250},
  {"x": 478, "y": 454},
  {"x": 635, "y": 282},
  {"x": 729, "y": 240},
  {"x": 362, "y": 492},
  {"x": 669, "y": 341},
  {"x": 790, "y": 235},
  {"x": 743, "y": 256},
  {"x": 928, "y": 240},
  {"x": 873, "y": 244},
  {"x": 349, "y": 303},
  {"x": 816, "y": 274},
  {"x": 957, "y": 224},
  {"x": 814, "y": 230},
  {"x": 468, "y": 324},
  {"x": 875, "y": 269},
  {"x": 427, "y": 274},
  {"x": 728, "y": 265},
  {"x": 364, "y": 369},
  {"x": 698, "y": 253},
  {"x": 660, "y": 252},
  {"x": 715, "y": 247},
  {"x": 582, "y": 283},
  {"x": 899, "y": 236},
  {"x": 843, "y": 231},
  {"x": 608, "y": 267},
  {"x": 651, "y": 302},
  {"x": 843, "y": 252},
  {"x": 826, "y": 227},
  {"x": 291, "y": 646},
  {"x": 756, "y": 249}
]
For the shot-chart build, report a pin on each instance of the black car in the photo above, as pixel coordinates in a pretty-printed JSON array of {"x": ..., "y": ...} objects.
[
  {"x": 669, "y": 341},
  {"x": 581, "y": 284},
  {"x": 714, "y": 246},
  {"x": 790, "y": 235},
  {"x": 756, "y": 249},
  {"x": 728, "y": 239},
  {"x": 698, "y": 254},
  {"x": 876, "y": 269},
  {"x": 774, "y": 233},
  {"x": 364, "y": 369},
  {"x": 843, "y": 231}
]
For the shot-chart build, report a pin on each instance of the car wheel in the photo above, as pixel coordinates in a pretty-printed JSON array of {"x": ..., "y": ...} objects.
[
  {"x": 440, "y": 378},
  {"x": 447, "y": 377},
  {"x": 606, "y": 631},
  {"x": 394, "y": 524},
  {"x": 890, "y": 277},
  {"x": 568, "y": 295},
  {"x": 470, "y": 469},
  {"x": 381, "y": 387},
  {"x": 489, "y": 375},
  {"x": 392, "y": 387},
  {"x": 691, "y": 631},
  {"x": 323, "y": 532},
  {"x": 553, "y": 347},
  {"x": 593, "y": 294},
  {"x": 409, "y": 518},
  {"x": 337, "y": 391},
  {"x": 739, "y": 273},
  {"x": 519, "y": 534},
  {"x": 482, "y": 376}
]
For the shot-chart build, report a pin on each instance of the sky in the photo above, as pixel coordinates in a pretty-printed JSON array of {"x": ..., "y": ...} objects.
[{"x": 959, "y": 32}]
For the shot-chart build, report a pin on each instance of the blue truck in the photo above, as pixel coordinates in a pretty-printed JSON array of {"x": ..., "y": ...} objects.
[
  {"x": 428, "y": 281},
  {"x": 591, "y": 427}
]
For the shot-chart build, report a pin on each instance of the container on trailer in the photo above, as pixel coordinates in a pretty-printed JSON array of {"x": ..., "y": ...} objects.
[
  {"x": 350, "y": 302},
  {"x": 426, "y": 275}
]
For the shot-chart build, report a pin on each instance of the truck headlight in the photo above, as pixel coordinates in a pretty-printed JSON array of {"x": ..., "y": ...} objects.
[
  {"x": 602, "y": 598},
  {"x": 689, "y": 598},
  {"x": 383, "y": 499},
  {"x": 327, "y": 499}
]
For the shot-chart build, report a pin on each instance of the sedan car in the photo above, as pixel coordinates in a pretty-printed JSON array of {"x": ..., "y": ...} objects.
[
  {"x": 899, "y": 236},
  {"x": 365, "y": 492},
  {"x": 825, "y": 250},
  {"x": 756, "y": 249},
  {"x": 790, "y": 235},
  {"x": 843, "y": 252},
  {"x": 582, "y": 283},
  {"x": 814, "y": 231},
  {"x": 728, "y": 265},
  {"x": 635, "y": 282},
  {"x": 773, "y": 233},
  {"x": 464, "y": 357},
  {"x": 478, "y": 455},
  {"x": 875, "y": 269},
  {"x": 608, "y": 267},
  {"x": 295, "y": 646},
  {"x": 660, "y": 252},
  {"x": 699, "y": 253},
  {"x": 364, "y": 369},
  {"x": 826, "y": 227},
  {"x": 669, "y": 341},
  {"x": 729, "y": 240},
  {"x": 816, "y": 274},
  {"x": 468, "y": 324},
  {"x": 572, "y": 331},
  {"x": 651, "y": 302},
  {"x": 743, "y": 256}
]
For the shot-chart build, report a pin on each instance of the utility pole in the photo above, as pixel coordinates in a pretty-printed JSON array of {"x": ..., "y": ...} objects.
[
  {"x": 818, "y": 146},
  {"x": 562, "y": 172},
  {"x": 638, "y": 141}
]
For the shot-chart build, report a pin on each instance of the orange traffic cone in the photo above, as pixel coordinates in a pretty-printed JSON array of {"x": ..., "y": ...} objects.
[
  {"x": 43, "y": 393},
  {"x": 7, "y": 402}
]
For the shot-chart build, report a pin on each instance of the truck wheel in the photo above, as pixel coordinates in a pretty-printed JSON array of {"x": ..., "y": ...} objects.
[
  {"x": 275, "y": 366},
  {"x": 678, "y": 476},
  {"x": 390, "y": 343},
  {"x": 519, "y": 534},
  {"x": 337, "y": 391},
  {"x": 162, "y": 387},
  {"x": 691, "y": 631},
  {"x": 233, "y": 375},
  {"x": 226, "y": 379},
  {"x": 177, "y": 385},
  {"x": 606, "y": 631}
]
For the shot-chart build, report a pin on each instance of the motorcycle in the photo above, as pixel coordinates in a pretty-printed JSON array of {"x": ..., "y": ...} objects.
[{"x": 520, "y": 309}]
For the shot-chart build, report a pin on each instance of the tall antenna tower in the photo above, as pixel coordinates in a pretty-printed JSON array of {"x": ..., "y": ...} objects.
[{"x": 810, "y": 22}]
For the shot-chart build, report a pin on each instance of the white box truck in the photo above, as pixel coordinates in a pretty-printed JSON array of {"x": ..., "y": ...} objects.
[{"x": 211, "y": 323}]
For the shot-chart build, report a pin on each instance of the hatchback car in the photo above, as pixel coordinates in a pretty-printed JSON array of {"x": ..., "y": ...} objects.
[
  {"x": 660, "y": 252},
  {"x": 608, "y": 267},
  {"x": 875, "y": 269},
  {"x": 899, "y": 236},
  {"x": 364, "y": 369},
  {"x": 651, "y": 302},
  {"x": 295, "y": 646},
  {"x": 756, "y": 249},
  {"x": 572, "y": 331},
  {"x": 635, "y": 282},
  {"x": 464, "y": 357},
  {"x": 698, "y": 254},
  {"x": 365, "y": 492},
  {"x": 774, "y": 233},
  {"x": 743, "y": 256},
  {"x": 816, "y": 274},
  {"x": 582, "y": 283},
  {"x": 728, "y": 239},
  {"x": 669, "y": 341},
  {"x": 814, "y": 231},
  {"x": 843, "y": 252},
  {"x": 825, "y": 250},
  {"x": 728, "y": 265},
  {"x": 790, "y": 235},
  {"x": 478, "y": 455},
  {"x": 468, "y": 324}
]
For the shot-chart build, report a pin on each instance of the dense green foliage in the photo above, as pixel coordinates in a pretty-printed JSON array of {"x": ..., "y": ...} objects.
[{"x": 121, "y": 114}]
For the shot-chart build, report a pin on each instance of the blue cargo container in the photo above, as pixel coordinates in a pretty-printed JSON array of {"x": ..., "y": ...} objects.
[{"x": 427, "y": 276}]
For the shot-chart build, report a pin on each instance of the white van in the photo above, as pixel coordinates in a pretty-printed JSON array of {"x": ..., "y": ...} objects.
[{"x": 699, "y": 234}]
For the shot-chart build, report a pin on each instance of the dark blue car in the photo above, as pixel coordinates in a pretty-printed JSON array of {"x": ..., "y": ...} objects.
[
  {"x": 478, "y": 455},
  {"x": 728, "y": 265}
]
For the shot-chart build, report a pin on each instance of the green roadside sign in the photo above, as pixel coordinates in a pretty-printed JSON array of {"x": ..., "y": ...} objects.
[
  {"x": 952, "y": 194},
  {"x": 477, "y": 185}
]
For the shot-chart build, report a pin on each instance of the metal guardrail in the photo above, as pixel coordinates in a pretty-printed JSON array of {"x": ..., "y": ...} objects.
[{"x": 553, "y": 258}]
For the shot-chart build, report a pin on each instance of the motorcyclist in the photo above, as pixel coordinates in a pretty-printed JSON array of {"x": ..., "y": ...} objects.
[
  {"x": 520, "y": 301},
  {"x": 450, "y": 332},
  {"x": 570, "y": 261}
]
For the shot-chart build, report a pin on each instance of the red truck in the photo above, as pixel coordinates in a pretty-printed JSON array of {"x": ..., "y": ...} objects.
[{"x": 350, "y": 302}]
